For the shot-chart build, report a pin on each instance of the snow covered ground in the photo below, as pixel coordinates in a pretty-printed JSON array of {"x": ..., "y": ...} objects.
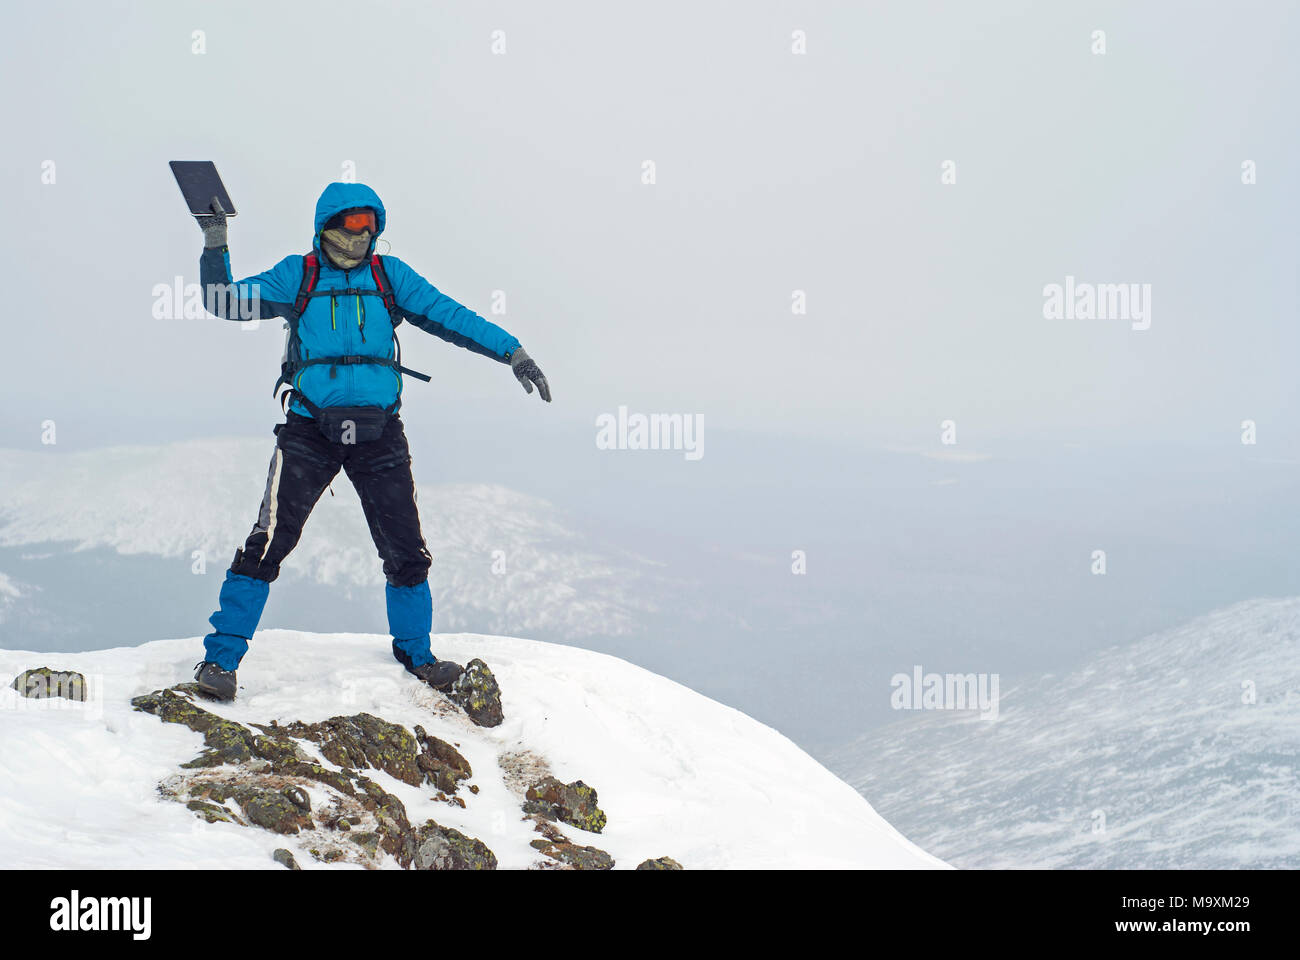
[{"x": 678, "y": 774}]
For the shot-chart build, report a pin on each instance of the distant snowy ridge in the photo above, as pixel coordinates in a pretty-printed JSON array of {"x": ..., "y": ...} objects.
[
  {"x": 10, "y": 593},
  {"x": 172, "y": 500},
  {"x": 1181, "y": 750},
  {"x": 677, "y": 774}
]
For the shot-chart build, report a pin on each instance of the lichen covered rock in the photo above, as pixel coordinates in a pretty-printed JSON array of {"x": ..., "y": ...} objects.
[
  {"x": 574, "y": 856},
  {"x": 566, "y": 853},
  {"x": 392, "y": 825},
  {"x": 362, "y": 741},
  {"x": 225, "y": 740},
  {"x": 443, "y": 848},
  {"x": 260, "y": 778},
  {"x": 660, "y": 863},
  {"x": 285, "y": 857},
  {"x": 211, "y": 812},
  {"x": 477, "y": 693},
  {"x": 336, "y": 779},
  {"x": 442, "y": 763},
  {"x": 298, "y": 797},
  {"x": 263, "y": 806},
  {"x": 571, "y": 803},
  {"x": 45, "y": 682},
  {"x": 275, "y": 744}
]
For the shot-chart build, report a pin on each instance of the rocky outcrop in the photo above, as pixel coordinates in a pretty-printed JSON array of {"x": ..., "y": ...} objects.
[
  {"x": 225, "y": 740},
  {"x": 442, "y": 848},
  {"x": 261, "y": 776},
  {"x": 264, "y": 804},
  {"x": 477, "y": 693},
  {"x": 45, "y": 682},
  {"x": 567, "y": 854},
  {"x": 364, "y": 741},
  {"x": 211, "y": 812},
  {"x": 264, "y": 779},
  {"x": 442, "y": 763},
  {"x": 571, "y": 803},
  {"x": 572, "y": 855}
]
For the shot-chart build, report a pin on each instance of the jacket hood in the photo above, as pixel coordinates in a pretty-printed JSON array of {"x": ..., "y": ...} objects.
[{"x": 338, "y": 197}]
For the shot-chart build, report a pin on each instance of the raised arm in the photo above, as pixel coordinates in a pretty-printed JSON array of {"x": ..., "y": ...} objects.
[{"x": 267, "y": 294}]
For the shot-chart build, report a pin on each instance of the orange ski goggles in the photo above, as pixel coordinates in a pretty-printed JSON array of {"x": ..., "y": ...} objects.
[{"x": 355, "y": 221}]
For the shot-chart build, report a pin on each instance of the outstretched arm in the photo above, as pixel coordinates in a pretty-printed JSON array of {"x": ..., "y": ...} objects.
[
  {"x": 428, "y": 308},
  {"x": 267, "y": 294}
]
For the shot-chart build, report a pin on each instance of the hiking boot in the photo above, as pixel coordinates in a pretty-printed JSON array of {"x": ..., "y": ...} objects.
[
  {"x": 214, "y": 681},
  {"x": 440, "y": 674}
]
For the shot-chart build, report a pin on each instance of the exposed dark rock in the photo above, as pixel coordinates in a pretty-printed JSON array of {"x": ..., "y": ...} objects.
[
  {"x": 339, "y": 780},
  {"x": 45, "y": 682},
  {"x": 477, "y": 693},
  {"x": 442, "y": 848},
  {"x": 275, "y": 745},
  {"x": 262, "y": 800},
  {"x": 268, "y": 771},
  {"x": 271, "y": 809},
  {"x": 572, "y": 855},
  {"x": 283, "y": 856},
  {"x": 661, "y": 863},
  {"x": 393, "y": 826},
  {"x": 363, "y": 741},
  {"x": 547, "y": 829},
  {"x": 367, "y": 840},
  {"x": 211, "y": 812},
  {"x": 565, "y": 852},
  {"x": 572, "y": 803},
  {"x": 442, "y": 763},
  {"x": 226, "y": 741}
]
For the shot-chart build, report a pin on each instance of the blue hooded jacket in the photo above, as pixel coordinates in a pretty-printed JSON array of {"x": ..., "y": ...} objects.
[{"x": 352, "y": 325}]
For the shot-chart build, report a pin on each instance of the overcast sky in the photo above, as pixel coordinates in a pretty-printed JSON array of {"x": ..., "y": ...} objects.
[{"x": 821, "y": 172}]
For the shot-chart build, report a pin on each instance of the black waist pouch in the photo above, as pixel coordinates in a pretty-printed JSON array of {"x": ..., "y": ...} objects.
[{"x": 351, "y": 425}]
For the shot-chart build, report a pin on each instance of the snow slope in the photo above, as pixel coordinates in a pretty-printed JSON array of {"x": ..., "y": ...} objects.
[
  {"x": 1179, "y": 751},
  {"x": 678, "y": 774}
]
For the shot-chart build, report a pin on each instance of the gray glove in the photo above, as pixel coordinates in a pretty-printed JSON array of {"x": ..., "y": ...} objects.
[
  {"x": 214, "y": 226},
  {"x": 527, "y": 372}
]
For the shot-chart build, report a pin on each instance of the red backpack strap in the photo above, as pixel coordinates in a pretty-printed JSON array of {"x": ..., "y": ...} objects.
[
  {"x": 385, "y": 289},
  {"x": 310, "y": 274}
]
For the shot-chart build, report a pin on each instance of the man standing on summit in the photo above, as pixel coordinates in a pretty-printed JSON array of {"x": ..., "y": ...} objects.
[{"x": 343, "y": 368}]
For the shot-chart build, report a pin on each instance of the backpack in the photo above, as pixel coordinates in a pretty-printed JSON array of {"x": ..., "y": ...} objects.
[{"x": 293, "y": 362}]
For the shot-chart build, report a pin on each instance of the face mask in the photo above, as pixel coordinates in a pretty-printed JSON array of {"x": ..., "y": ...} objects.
[{"x": 346, "y": 249}]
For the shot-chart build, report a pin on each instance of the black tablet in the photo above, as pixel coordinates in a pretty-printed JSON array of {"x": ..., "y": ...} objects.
[{"x": 199, "y": 183}]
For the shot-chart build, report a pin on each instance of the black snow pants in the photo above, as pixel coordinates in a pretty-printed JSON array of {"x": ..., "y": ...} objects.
[{"x": 302, "y": 467}]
